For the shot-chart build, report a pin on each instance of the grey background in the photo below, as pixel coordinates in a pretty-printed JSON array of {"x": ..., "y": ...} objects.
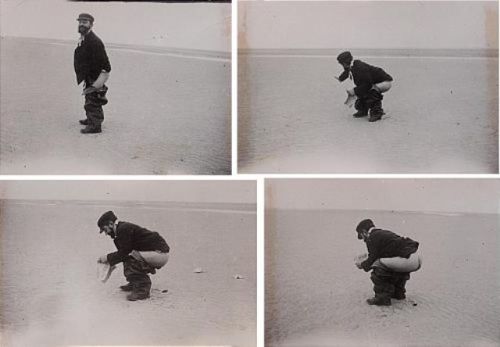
[
  {"x": 432, "y": 195},
  {"x": 189, "y": 26},
  {"x": 368, "y": 24}
]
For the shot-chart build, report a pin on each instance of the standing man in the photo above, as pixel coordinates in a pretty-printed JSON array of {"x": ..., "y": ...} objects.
[
  {"x": 370, "y": 82},
  {"x": 141, "y": 251},
  {"x": 91, "y": 67},
  {"x": 388, "y": 281}
]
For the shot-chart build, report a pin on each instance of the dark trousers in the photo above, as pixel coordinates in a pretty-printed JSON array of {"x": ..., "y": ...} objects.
[
  {"x": 371, "y": 101},
  {"x": 387, "y": 284},
  {"x": 136, "y": 272},
  {"x": 93, "y": 106}
]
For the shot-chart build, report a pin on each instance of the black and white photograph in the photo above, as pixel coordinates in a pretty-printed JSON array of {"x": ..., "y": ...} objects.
[
  {"x": 115, "y": 88},
  {"x": 370, "y": 87},
  {"x": 128, "y": 263},
  {"x": 382, "y": 262}
]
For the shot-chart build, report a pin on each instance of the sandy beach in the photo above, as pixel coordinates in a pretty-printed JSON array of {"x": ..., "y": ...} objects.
[
  {"x": 315, "y": 296},
  {"x": 442, "y": 116},
  {"x": 51, "y": 297},
  {"x": 168, "y": 113}
]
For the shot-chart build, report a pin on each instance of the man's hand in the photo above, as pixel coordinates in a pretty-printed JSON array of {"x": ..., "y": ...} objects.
[
  {"x": 103, "y": 259},
  {"x": 360, "y": 259},
  {"x": 99, "y": 82},
  {"x": 350, "y": 92},
  {"x": 89, "y": 90},
  {"x": 338, "y": 79},
  {"x": 351, "y": 100}
]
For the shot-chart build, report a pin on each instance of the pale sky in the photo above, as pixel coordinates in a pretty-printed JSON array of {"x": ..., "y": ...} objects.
[
  {"x": 428, "y": 195},
  {"x": 372, "y": 24},
  {"x": 202, "y": 26},
  {"x": 118, "y": 190}
]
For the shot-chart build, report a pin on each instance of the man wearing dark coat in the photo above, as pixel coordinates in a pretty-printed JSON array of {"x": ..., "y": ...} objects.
[
  {"x": 381, "y": 243},
  {"x": 92, "y": 67},
  {"x": 370, "y": 82},
  {"x": 141, "y": 251}
]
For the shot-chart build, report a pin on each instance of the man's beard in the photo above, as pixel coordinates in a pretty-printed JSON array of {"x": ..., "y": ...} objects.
[{"x": 83, "y": 29}]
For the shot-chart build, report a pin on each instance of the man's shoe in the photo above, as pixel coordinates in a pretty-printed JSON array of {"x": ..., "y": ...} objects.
[
  {"x": 360, "y": 114},
  {"x": 137, "y": 296},
  {"x": 374, "y": 118},
  {"x": 84, "y": 121},
  {"x": 91, "y": 130},
  {"x": 398, "y": 296},
  {"x": 127, "y": 287},
  {"x": 379, "y": 301}
]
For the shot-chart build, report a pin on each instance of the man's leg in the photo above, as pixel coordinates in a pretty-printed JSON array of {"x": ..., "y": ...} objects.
[
  {"x": 95, "y": 114},
  {"x": 399, "y": 281},
  {"x": 382, "y": 286},
  {"x": 374, "y": 102},
  {"x": 362, "y": 108},
  {"x": 136, "y": 273}
]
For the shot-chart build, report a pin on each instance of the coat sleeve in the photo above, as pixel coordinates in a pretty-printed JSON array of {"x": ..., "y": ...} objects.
[
  {"x": 344, "y": 75},
  {"x": 373, "y": 255},
  {"x": 124, "y": 245},
  {"x": 101, "y": 57}
]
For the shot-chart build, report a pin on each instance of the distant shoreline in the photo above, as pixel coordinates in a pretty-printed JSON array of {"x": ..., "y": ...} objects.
[
  {"x": 176, "y": 205},
  {"x": 424, "y": 212},
  {"x": 390, "y": 52},
  {"x": 145, "y": 48}
]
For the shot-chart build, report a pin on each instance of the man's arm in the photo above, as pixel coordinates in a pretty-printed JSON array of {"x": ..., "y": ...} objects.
[
  {"x": 124, "y": 245},
  {"x": 373, "y": 254},
  {"x": 344, "y": 75},
  {"x": 102, "y": 61}
]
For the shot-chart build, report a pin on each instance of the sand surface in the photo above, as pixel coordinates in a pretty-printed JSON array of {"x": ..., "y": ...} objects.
[
  {"x": 315, "y": 296},
  {"x": 442, "y": 117},
  {"x": 51, "y": 295},
  {"x": 166, "y": 114}
]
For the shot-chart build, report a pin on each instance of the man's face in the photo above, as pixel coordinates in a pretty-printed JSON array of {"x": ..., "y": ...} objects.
[
  {"x": 346, "y": 65},
  {"x": 363, "y": 235},
  {"x": 109, "y": 230},
  {"x": 84, "y": 25}
]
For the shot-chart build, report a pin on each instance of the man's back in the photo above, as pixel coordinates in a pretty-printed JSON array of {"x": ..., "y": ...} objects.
[
  {"x": 131, "y": 237},
  {"x": 386, "y": 244},
  {"x": 365, "y": 76}
]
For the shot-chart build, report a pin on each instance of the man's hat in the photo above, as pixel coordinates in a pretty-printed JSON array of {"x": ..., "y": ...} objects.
[
  {"x": 86, "y": 16},
  {"x": 105, "y": 219},
  {"x": 365, "y": 224},
  {"x": 344, "y": 57}
]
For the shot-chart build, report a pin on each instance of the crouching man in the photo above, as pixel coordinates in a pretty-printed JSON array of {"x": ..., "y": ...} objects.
[
  {"x": 141, "y": 251},
  {"x": 391, "y": 259},
  {"x": 370, "y": 83}
]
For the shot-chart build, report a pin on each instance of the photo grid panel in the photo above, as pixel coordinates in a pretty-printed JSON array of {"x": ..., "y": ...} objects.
[
  {"x": 128, "y": 263},
  {"x": 114, "y": 88},
  {"x": 368, "y": 87},
  {"x": 382, "y": 262}
]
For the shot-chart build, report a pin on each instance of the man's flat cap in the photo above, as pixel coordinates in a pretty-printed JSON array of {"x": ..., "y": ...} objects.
[
  {"x": 105, "y": 219},
  {"x": 344, "y": 57},
  {"x": 86, "y": 16},
  {"x": 365, "y": 224}
]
